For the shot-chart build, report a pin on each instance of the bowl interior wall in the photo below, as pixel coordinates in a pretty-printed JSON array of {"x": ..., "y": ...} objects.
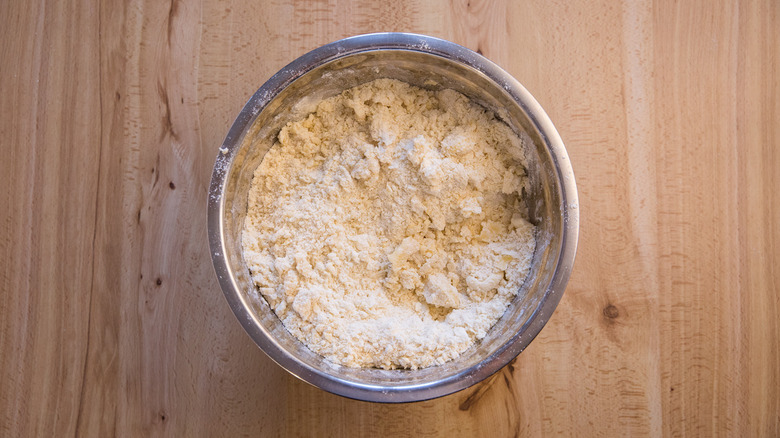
[{"x": 430, "y": 72}]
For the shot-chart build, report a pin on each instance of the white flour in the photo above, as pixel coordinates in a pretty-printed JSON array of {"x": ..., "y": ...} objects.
[{"x": 385, "y": 228}]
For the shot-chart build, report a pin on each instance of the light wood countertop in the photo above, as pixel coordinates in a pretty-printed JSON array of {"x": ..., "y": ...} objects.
[{"x": 111, "y": 318}]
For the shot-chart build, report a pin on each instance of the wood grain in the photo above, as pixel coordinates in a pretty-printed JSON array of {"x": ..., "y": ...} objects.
[{"x": 112, "y": 322}]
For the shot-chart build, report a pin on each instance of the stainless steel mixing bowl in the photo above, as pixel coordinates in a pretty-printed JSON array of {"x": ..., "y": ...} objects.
[{"x": 430, "y": 63}]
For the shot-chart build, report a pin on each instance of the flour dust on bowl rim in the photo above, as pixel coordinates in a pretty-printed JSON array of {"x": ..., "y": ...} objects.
[{"x": 429, "y": 63}]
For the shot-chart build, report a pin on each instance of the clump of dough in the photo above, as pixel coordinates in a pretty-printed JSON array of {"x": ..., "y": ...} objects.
[{"x": 386, "y": 229}]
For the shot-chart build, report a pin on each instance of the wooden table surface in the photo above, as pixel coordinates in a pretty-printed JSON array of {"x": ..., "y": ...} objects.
[{"x": 111, "y": 318}]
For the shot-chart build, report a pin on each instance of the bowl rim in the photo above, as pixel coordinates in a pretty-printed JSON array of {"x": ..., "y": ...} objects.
[{"x": 432, "y": 46}]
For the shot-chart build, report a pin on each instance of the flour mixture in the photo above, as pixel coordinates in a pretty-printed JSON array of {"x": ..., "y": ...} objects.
[{"x": 387, "y": 229}]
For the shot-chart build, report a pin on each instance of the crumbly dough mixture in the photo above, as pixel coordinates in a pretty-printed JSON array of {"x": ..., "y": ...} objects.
[{"x": 386, "y": 229}]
